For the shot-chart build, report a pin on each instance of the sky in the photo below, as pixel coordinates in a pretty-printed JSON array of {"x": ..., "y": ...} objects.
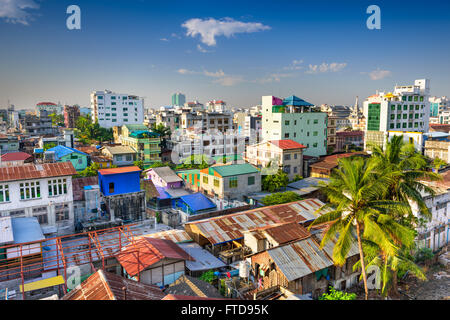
[{"x": 237, "y": 51}]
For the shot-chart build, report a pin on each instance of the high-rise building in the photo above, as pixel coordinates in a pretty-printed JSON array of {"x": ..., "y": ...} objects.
[
  {"x": 113, "y": 109},
  {"x": 295, "y": 119},
  {"x": 438, "y": 105},
  {"x": 71, "y": 115},
  {"x": 405, "y": 111},
  {"x": 178, "y": 99}
]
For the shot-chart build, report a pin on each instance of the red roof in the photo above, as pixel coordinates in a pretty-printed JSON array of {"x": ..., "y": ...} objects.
[
  {"x": 37, "y": 171},
  {"x": 15, "y": 156},
  {"x": 149, "y": 251},
  {"x": 119, "y": 170},
  {"x": 287, "y": 144},
  {"x": 46, "y": 104}
]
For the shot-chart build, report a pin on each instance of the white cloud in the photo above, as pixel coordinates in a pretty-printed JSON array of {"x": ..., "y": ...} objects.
[
  {"x": 201, "y": 49},
  {"x": 274, "y": 77},
  {"x": 15, "y": 11},
  {"x": 295, "y": 65},
  {"x": 325, "y": 67},
  {"x": 209, "y": 29},
  {"x": 164, "y": 39},
  {"x": 229, "y": 81},
  {"x": 379, "y": 74},
  {"x": 221, "y": 77}
]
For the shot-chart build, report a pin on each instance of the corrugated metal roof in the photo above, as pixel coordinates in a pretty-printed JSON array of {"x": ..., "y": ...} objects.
[
  {"x": 176, "y": 235},
  {"x": 78, "y": 185},
  {"x": 37, "y": 171},
  {"x": 287, "y": 232},
  {"x": 234, "y": 169},
  {"x": 107, "y": 286},
  {"x": 61, "y": 151},
  {"x": 299, "y": 259},
  {"x": 148, "y": 251},
  {"x": 15, "y": 156},
  {"x": 230, "y": 227},
  {"x": 204, "y": 260},
  {"x": 6, "y": 230},
  {"x": 166, "y": 174}
]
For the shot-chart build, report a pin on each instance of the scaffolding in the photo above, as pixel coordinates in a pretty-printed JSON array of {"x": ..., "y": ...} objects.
[{"x": 31, "y": 260}]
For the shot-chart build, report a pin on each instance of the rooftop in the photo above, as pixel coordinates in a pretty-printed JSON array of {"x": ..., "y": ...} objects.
[
  {"x": 194, "y": 287},
  {"x": 231, "y": 169},
  {"x": 37, "y": 171},
  {"x": 61, "y": 151},
  {"x": 198, "y": 202},
  {"x": 231, "y": 227},
  {"x": 145, "y": 252},
  {"x": 296, "y": 101},
  {"x": 287, "y": 144},
  {"x": 104, "y": 285},
  {"x": 119, "y": 150},
  {"x": 15, "y": 156},
  {"x": 166, "y": 174},
  {"x": 105, "y": 172}
]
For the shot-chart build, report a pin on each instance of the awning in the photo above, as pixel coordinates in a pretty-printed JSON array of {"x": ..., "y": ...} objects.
[{"x": 36, "y": 285}]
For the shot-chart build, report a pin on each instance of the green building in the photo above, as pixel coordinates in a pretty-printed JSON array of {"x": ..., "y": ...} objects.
[
  {"x": 145, "y": 142},
  {"x": 64, "y": 154}
]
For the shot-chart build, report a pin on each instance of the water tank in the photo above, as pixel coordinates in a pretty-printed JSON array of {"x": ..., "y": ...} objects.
[{"x": 244, "y": 269}]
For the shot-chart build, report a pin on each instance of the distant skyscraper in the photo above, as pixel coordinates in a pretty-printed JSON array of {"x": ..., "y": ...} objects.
[{"x": 178, "y": 99}]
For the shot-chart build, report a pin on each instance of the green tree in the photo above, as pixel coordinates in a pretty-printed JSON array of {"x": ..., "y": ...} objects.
[
  {"x": 354, "y": 210},
  {"x": 90, "y": 171},
  {"x": 139, "y": 164},
  {"x": 275, "y": 182},
  {"x": 337, "y": 295},
  {"x": 163, "y": 132},
  {"x": 57, "y": 119},
  {"x": 280, "y": 197},
  {"x": 49, "y": 146},
  {"x": 438, "y": 163},
  {"x": 88, "y": 132}
]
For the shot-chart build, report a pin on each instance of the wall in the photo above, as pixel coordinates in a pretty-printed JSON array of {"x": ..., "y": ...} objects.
[
  {"x": 123, "y": 183},
  {"x": 79, "y": 161}
]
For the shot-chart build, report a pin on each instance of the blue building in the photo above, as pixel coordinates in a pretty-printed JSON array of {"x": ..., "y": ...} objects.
[
  {"x": 119, "y": 180},
  {"x": 193, "y": 203},
  {"x": 122, "y": 195}
]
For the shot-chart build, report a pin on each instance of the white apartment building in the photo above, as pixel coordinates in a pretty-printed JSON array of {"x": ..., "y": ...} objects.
[
  {"x": 43, "y": 191},
  {"x": 217, "y": 106},
  {"x": 405, "y": 111},
  {"x": 113, "y": 109}
]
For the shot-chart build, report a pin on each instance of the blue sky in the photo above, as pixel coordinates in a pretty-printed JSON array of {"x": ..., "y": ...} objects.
[{"x": 321, "y": 51}]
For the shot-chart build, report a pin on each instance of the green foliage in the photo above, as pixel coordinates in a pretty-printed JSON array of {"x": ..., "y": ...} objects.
[
  {"x": 159, "y": 164},
  {"x": 438, "y": 163},
  {"x": 423, "y": 255},
  {"x": 49, "y": 146},
  {"x": 275, "y": 182},
  {"x": 337, "y": 295},
  {"x": 89, "y": 132},
  {"x": 208, "y": 276},
  {"x": 158, "y": 217},
  {"x": 139, "y": 164},
  {"x": 57, "y": 119},
  {"x": 194, "y": 162},
  {"x": 280, "y": 197},
  {"x": 90, "y": 171},
  {"x": 297, "y": 178}
]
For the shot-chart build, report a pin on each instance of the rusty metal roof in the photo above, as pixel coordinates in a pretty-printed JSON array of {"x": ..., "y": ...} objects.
[
  {"x": 230, "y": 227},
  {"x": 108, "y": 286},
  {"x": 148, "y": 251},
  {"x": 176, "y": 235},
  {"x": 300, "y": 258},
  {"x": 37, "y": 171},
  {"x": 287, "y": 232}
]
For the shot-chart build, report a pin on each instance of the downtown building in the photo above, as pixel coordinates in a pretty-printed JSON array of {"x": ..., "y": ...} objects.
[
  {"x": 405, "y": 111},
  {"x": 178, "y": 99},
  {"x": 297, "y": 120},
  {"x": 113, "y": 109}
]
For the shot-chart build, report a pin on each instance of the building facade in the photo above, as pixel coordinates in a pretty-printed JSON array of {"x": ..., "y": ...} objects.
[
  {"x": 112, "y": 109},
  {"x": 295, "y": 119}
]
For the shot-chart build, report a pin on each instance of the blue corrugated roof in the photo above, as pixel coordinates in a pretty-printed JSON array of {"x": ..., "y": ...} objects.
[
  {"x": 61, "y": 151},
  {"x": 198, "y": 202},
  {"x": 26, "y": 230},
  {"x": 296, "y": 101}
]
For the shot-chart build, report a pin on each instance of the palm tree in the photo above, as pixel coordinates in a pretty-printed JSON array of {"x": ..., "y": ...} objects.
[
  {"x": 401, "y": 157},
  {"x": 162, "y": 130},
  {"x": 354, "y": 194}
]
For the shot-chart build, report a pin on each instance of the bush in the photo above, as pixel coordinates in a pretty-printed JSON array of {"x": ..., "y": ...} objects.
[
  {"x": 424, "y": 254},
  {"x": 208, "y": 276},
  {"x": 280, "y": 197},
  {"x": 337, "y": 295}
]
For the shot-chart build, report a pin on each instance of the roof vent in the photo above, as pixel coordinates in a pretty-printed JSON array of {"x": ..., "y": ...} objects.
[{"x": 39, "y": 167}]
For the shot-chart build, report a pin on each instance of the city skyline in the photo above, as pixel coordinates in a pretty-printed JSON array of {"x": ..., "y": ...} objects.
[{"x": 321, "y": 52}]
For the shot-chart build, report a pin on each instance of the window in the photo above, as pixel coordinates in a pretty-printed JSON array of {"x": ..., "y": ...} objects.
[
  {"x": 129, "y": 158},
  {"x": 205, "y": 179},
  {"x": 316, "y": 121},
  {"x": 405, "y": 107},
  {"x": 111, "y": 187},
  {"x": 286, "y": 122},
  {"x": 41, "y": 214},
  {"x": 404, "y": 125},
  {"x": 398, "y": 125},
  {"x": 409, "y": 98},
  {"x": 416, "y": 98},
  {"x": 315, "y": 133},
  {"x": 315, "y": 145},
  {"x": 233, "y": 182},
  {"x": 287, "y": 169},
  {"x": 16, "y": 213},
  {"x": 393, "y": 107},
  {"x": 216, "y": 182},
  {"x": 119, "y": 158},
  {"x": 286, "y": 135},
  {"x": 287, "y": 157},
  {"x": 62, "y": 212},
  {"x": 251, "y": 181},
  {"x": 295, "y": 155},
  {"x": 399, "y": 107},
  {"x": 392, "y": 116},
  {"x": 391, "y": 126},
  {"x": 30, "y": 190},
  {"x": 4, "y": 193},
  {"x": 57, "y": 187}
]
